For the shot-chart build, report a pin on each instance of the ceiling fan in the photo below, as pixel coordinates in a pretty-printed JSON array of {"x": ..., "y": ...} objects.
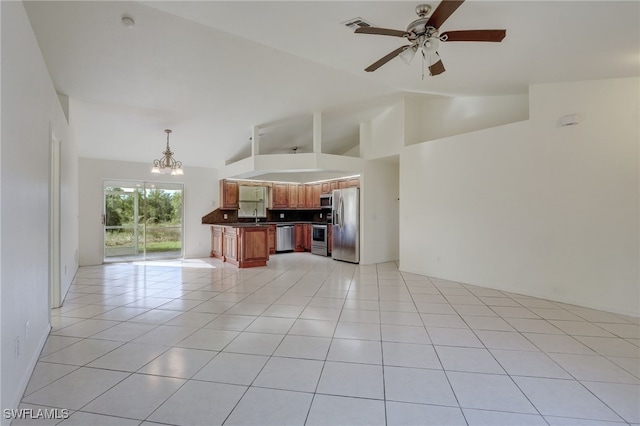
[{"x": 424, "y": 35}]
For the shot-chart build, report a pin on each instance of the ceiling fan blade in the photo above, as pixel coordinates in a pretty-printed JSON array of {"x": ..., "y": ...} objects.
[
  {"x": 437, "y": 68},
  {"x": 442, "y": 12},
  {"x": 380, "y": 62},
  {"x": 474, "y": 35},
  {"x": 381, "y": 31}
]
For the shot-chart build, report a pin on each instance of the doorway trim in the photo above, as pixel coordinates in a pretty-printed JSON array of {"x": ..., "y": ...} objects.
[{"x": 55, "y": 146}]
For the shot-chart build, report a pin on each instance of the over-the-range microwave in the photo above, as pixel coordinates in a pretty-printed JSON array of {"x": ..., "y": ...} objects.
[{"x": 325, "y": 201}]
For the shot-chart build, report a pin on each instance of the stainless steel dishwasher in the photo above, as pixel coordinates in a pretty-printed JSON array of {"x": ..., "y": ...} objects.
[{"x": 285, "y": 238}]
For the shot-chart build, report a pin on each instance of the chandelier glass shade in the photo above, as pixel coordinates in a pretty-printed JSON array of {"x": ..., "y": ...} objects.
[{"x": 167, "y": 164}]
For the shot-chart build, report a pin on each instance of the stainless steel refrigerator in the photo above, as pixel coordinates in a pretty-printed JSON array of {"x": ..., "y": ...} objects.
[{"x": 346, "y": 224}]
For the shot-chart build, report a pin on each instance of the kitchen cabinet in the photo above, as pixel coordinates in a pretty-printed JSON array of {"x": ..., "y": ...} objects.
[
  {"x": 216, "y": 242},
  {"x": 333, "y": 185},
  {"x": 299, "y": 235},
  {"x": 307, "y": 236},
  {"x": 230, "y": 245},
  {"x": 317, "y": 188},
  {"x": 353, "y": 182},
  {"x": 280, "y": 196},
  {"x": 229, "y": 194},
  {"x": 308, "y": 200},
  {"x": 326, "y": 187},
  {"x": 293, "y": 195},
  {"x": 343, "y": 183},
  {"x": 271, "y": 233},
  {"x": 302, "y": 196},
  {"x": 245, "y": 246}
]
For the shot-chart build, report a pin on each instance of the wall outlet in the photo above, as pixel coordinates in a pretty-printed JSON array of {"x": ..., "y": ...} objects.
[
  {"x": 225, "y": 216},
  {"x": 26, "y": 331},
  {"x": 281, "y": 215}
]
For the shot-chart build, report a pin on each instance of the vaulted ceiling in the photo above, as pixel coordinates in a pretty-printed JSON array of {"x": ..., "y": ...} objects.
[{"x": 210, "y": 70}]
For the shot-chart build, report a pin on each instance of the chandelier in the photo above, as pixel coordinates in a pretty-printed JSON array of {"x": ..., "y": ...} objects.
[{"x": 167, "y": 164}]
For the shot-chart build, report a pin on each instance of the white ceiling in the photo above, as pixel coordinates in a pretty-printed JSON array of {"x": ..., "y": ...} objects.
[{"x": 210, "y": 70}]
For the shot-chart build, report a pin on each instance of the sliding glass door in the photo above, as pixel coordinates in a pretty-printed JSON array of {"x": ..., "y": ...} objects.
[{"x": 142, "y": 220}]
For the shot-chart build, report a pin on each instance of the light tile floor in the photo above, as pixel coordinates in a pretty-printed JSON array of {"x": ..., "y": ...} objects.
[{"x": 309, "y": 340}]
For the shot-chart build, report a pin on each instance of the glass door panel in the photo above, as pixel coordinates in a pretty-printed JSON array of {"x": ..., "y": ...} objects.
[
  {"x": 163, "y": 220},
  {"x": 123, "y": 237},
  {"x": 142, "y": 220}
]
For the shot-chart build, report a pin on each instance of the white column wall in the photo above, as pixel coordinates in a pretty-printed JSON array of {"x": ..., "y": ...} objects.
[
  {"x": 379, "y": 211},
  {"x": 29, "y": 106},
  {"x": 533, "y": 207},
  {"x": 200, "y": 197}
]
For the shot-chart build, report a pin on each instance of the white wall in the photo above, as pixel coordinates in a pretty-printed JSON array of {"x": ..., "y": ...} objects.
[
  {"x": 29, "y": 105},
  {"x": 533, "y": 207},
  {"x": 384, "y": 135},
  {"x": 379, "y": 211},
  {"x": 441, "y": 117},
  {"x": 201, "y": 190}
]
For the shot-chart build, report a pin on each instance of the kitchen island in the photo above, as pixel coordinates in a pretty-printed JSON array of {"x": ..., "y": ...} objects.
[{"x": 244, "y": 245}]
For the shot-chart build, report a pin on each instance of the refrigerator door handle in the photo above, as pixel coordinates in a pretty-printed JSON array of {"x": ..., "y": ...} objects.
[{"x": 341, "y": 212}]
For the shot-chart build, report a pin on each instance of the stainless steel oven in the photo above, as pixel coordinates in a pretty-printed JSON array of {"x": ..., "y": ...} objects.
[{"x": 319, "y": 239}]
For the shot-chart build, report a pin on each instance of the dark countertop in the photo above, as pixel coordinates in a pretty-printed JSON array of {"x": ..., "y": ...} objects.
[{"x": 253, "y": 224}]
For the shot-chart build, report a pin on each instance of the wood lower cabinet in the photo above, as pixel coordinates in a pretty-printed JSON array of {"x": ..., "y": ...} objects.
[
  {"x": 244, "y": 247},
  {"x": 303, "y": 237},
  {"x": 271, "y": 231},
  {"x": 230, "y": 245},
  {"x": 299, "y": 235},
  {"x": 229, "y": 194},
  {"x": 216, "y": 242},
  {"x": 307, "y": 236}
]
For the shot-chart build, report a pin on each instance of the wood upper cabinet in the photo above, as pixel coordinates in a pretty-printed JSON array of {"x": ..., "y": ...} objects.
[
  {"x": 308, "y": 200},
  {"x": 326, "y": 187},
  {"x": 353, "y": 182},
  {"x": 343, "y": 183},
  {"x": 280, "y": 194},
  {"x": 293, "y": 195},
  {"x": 317, "y": 187},
  {"x": 302, "y": 196},
  {"x": 229, "y": 194},
  {"x": 333, "y": 185}
]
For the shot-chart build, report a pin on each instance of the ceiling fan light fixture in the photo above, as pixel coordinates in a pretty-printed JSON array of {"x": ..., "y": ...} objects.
[
  {"x": 408, "y": 54},
  {"x": 430, "y": 45}
]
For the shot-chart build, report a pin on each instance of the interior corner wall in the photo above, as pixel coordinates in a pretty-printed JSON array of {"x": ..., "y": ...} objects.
[
  {"x": 29, "y": 106},
  {"x": 534, "y": 207},
  {"x": 384, "y": 135},
  {"x": 379, "y": 211},
  {"x": 200, "y": 191}
]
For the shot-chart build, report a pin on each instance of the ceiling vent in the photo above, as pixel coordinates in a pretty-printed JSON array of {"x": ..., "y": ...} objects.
[{"x": 356, "y": 23}]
